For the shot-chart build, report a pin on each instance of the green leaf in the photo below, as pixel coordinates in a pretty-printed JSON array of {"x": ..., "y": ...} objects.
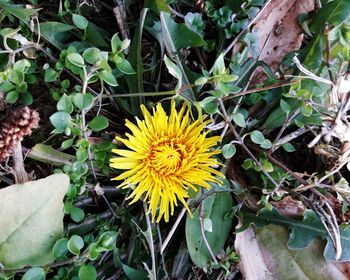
[
  {"x": 50, "y": 75},
  {"x": 83, "y": 101},
  {"x": 94, "y": 252},
  {"x": 125, "y": 67},
  {"x": 219, "y": 65},
  {"x": 116, "y": 43},
  {"x": 266, "y": 144},
  {"x": 6, "y": 86},
  {"x": 217, "y": 208},
  {"x": 26, "y": 98},
  {"x": 60, "y": 249},
  {"x": 35, "y": 273},
  {"x": 12, "y": 96},
  {"x": 77, "y": 214},
  {"x": 60, "y": 120},
  {"x": 67, "y": 143},
  {"x": 31, "y": 217},
  {"x": 80, "y": 21},
  {"x": 211, "y": 108},
  {"x": 173, "y": 43},
  {"x": 92, "y": 55},
  {"x": 20, "y": 12},
  {"x": 134, "y": 274},
  {"x": 228, "y": 151},
  {"x": 82, "y": 154},
  {"x": 239, "y": 120},
  {"x": 257, "y": 137},
  {"x": 303, "y": 232},
  {"x": 56, "y": 32},
  {"x": 76, "y": 59},
  {"x": 49, "y": 155},
  {"x": 333, "y": 13},
  {"x": 201, "y": 81},
  {"x": 277, "y": 116},
  {"x": 99, "y": 123},
  {"x": 285, "y": 106},
  {"x": 174, "y": 70},
  {"x": 268, "y": 167},
  {"x": 87, "y": 272},
  {"x": 65, "y": 104},
  {"x": 107, "y": 240},
  {"x": 130, "y": 272},
  {"x": 109, "y": 78},
  {"x": 181, "y": 35},
  {"x": 313, "y": 52},
  {"x": 96, "y": 36},
  {"x": 75, "y": 244},
  {"x": 135, "y": 84},
  {"x": 194, "y": 22},
  {"x": 288, "y": 147}
]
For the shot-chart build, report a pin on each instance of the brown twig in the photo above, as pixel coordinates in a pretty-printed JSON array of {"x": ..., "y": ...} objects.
[
  {"x": 19, "y": 171},
  {"x": 120, "y": 15}
]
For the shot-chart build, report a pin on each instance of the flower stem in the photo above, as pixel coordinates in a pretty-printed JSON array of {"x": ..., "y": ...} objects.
[{"x": 149, "y": 238}]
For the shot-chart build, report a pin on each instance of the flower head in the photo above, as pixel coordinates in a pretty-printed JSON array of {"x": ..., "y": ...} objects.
[{"x": 168, "y": 156}]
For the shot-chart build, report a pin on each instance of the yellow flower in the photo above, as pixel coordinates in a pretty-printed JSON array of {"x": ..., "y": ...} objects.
[{"x": 167, "y": 156}]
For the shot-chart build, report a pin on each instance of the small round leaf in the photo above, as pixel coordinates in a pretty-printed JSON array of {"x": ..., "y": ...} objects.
[
  {"x": 87, "y": 272},
  {"x": 80, "y": 21},
  {"x": 228, "y": 150},
  {"x": 35, "y": 273},
  {"x": 98, "y": 123},
  {"x": 76, "y": 59},
  {"x": 75, "y": 244}
]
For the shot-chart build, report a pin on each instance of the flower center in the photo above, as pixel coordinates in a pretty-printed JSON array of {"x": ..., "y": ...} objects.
[{"x": 166, "y": 158}]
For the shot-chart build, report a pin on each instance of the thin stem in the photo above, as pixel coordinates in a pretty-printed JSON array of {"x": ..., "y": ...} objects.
[
  {"x": 162, "y": 256},
  {"x": 287, "y": 122},
  {"x": 244, "y": 30},
  {"x": 241, "y": 143},
  {"x": 160, "y": 93},
  {"x": 149, "y": 238},
  {"x": 289, "y": 83},
  {"x": 201, "y": 213},
  {"x": 172, "y": 231}
]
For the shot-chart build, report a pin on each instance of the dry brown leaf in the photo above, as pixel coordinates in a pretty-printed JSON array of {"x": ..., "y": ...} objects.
[
  {"x": 264, "y": 255},
  {"x": 278, "y": 29},
  {"x": 290, "y": 207}
]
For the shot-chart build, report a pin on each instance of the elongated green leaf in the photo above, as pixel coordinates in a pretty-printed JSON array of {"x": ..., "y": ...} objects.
[
  {"x": 333, "y": 13},
  {"x": 174, "y": 70},
  {"x": 175, "y": 37},
  {"x": 303, "y": 232},
  {"x": 135, "y": 58},
  {"x": 56, "y": 33},
  {"x": 217, "y": 210},
  {"x": 31, "y": 220},
  {"x": 313, "y": 52},
  {"x": 180, "y": 35},
  {"x": 135, "y": 82},
  {"x": 19, "y": 11},
  {"x": 47, "y": 154},
  {"x": 96, "y": 35}
]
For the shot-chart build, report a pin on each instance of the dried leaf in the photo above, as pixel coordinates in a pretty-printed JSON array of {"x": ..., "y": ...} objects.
[
  {"x": 278, "y": 29},
  {"x": 264, "y": 254}
]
